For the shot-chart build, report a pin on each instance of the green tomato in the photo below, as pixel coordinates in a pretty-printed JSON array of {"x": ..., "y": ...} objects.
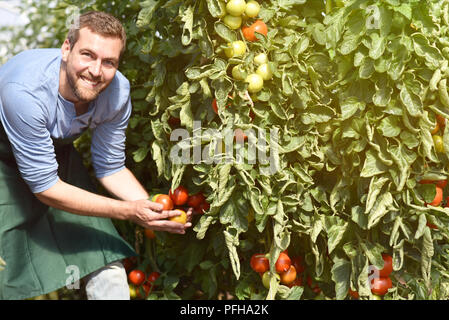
[
  {"x": 252, "y": 9},
  {"x": 236, "y": 7},
  {"x": 232, "y": 22},
  {"x": 261, "y": 58},
  {"x": 255, "y": 82},
  {"x": 238, "y": 73},
  {"x": 438, "y": 142},
  {"x": 264, "y": 71},
  {"x": 266, "y": 279},
  {"x": 235, "y": 49}
]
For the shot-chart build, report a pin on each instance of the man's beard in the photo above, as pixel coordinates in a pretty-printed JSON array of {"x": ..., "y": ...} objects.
[{"x": 83, "y": 94}]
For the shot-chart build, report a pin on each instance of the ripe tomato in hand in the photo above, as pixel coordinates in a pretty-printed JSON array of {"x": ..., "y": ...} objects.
[
  {"x": 380, "y": 286},
  {"x": 179, "y": 196},
  {"x": 182, "y": 218},
  {"x": 196, "y": 199},
  {"x": 388, "y": 266},
  {"x": 166, "y": 201},
  {"x": 136, "y": 277},
  {"x": 354, "y": 294},
  {"x": 259, "y": 262},
  {"x": 283, "y": 262},
  {"x": 288, "y": 276}
]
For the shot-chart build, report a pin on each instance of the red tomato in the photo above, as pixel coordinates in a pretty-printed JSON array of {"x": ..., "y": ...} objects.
[
  {"x": 147, "y": 287},
  {"x": 174, "y": 122},
  {"x": 179, "y": 196},
  {"x": 431, "y": 225},
  {"x": 380, "y": 286},
  {"x": 315, "y": 288},
  {"x": 299, "y": 264},
  {"x": 259, "y": 263},
  {"x": 165, "y": 200},
  {"x": 438, "y": 197},
  {"x": 296, "y": 283},
  {"x": 354, "y": 294},
  {"x": 153, "y": 276},
  {"x": 388, "y": 266},
  {"x": 129, "y": 263},
  {"x": 283, "y": 263},
  {"x": 249, "y": 32},
  {"x": 441, "y": 183},
  {"x": 288, "y": 276},
  {"x": 195, "y": 200},
  {"x": 150, "y": 234},
  {"x": 136, "y": 277},
  {"x": 203, "y": 207}
]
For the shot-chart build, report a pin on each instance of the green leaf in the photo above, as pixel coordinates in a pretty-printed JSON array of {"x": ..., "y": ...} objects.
[
  {"x": 381, "y": 207},
  {"x": 341, "y": 271},
  {"x": 146, "y": 14}
]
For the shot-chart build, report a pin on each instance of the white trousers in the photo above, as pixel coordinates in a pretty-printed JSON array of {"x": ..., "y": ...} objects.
[{"x": 108, "y": 283}]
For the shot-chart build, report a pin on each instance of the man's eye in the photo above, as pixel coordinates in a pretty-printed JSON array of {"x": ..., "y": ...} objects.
[{"x": 87, "y": 54}]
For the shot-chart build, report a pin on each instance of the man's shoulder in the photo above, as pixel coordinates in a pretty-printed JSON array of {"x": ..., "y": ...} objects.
[{"x": 31, "y": 68}]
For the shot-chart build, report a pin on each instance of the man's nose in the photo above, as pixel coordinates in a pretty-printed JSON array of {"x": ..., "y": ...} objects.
[{"x": 95, "y": 68}]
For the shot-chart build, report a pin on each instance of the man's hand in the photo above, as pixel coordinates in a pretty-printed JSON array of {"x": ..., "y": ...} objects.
[{"x": 150, "y": 215}]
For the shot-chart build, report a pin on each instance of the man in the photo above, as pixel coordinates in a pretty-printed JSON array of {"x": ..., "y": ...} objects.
[{"x": 51, "y": 221}]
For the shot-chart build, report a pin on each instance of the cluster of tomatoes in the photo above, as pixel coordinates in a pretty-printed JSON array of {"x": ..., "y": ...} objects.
[
  {"x": 137, "y": 279},
  {"x": 381, "y": 281},
  {"x": 437, "y": 138},
  {"x": 178, "y": 198},
  {"x": 234, "y": 15},
  {"x": 291, "y": 271}
]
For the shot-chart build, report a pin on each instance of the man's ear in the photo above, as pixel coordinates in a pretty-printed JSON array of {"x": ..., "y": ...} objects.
[{"x": 65, "y": 50}]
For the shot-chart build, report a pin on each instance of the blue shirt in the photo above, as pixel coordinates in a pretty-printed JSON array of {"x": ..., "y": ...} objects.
[{"x": 33, "y": 112}]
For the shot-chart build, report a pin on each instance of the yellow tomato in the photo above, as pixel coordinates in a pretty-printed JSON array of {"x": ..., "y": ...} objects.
[
  {"x": 182, "y": 218},
  {"x": 438, "y": 142},
  {"x": 235, "y": 49}
]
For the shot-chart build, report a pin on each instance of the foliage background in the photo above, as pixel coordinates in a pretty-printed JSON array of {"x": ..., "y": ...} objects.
[{"x": 354, "y": 105}]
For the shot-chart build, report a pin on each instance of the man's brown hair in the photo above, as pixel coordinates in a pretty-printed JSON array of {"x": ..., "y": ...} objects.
[{"x": 98, "y": 22}]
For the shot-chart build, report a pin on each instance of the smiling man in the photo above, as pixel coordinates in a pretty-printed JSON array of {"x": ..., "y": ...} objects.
[{"x": 51, "y": 220}]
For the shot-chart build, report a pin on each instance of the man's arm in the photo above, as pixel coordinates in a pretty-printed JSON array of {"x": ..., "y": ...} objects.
[
  {"x": 78, "y": 201},
  {"x": 124, "y": 185}
]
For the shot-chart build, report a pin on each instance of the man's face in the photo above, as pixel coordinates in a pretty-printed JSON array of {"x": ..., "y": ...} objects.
[{"x": 90, "y": 65}]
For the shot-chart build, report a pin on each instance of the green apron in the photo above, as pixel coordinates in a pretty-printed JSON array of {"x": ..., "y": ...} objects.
[{"x": 42, "y": 245}]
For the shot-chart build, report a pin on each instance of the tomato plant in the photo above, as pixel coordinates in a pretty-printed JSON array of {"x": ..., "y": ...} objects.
[{"x": 354, "y": 101}]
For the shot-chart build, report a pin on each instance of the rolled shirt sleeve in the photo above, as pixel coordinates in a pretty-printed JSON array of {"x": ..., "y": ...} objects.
[{"x": 24, "y": 120}]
